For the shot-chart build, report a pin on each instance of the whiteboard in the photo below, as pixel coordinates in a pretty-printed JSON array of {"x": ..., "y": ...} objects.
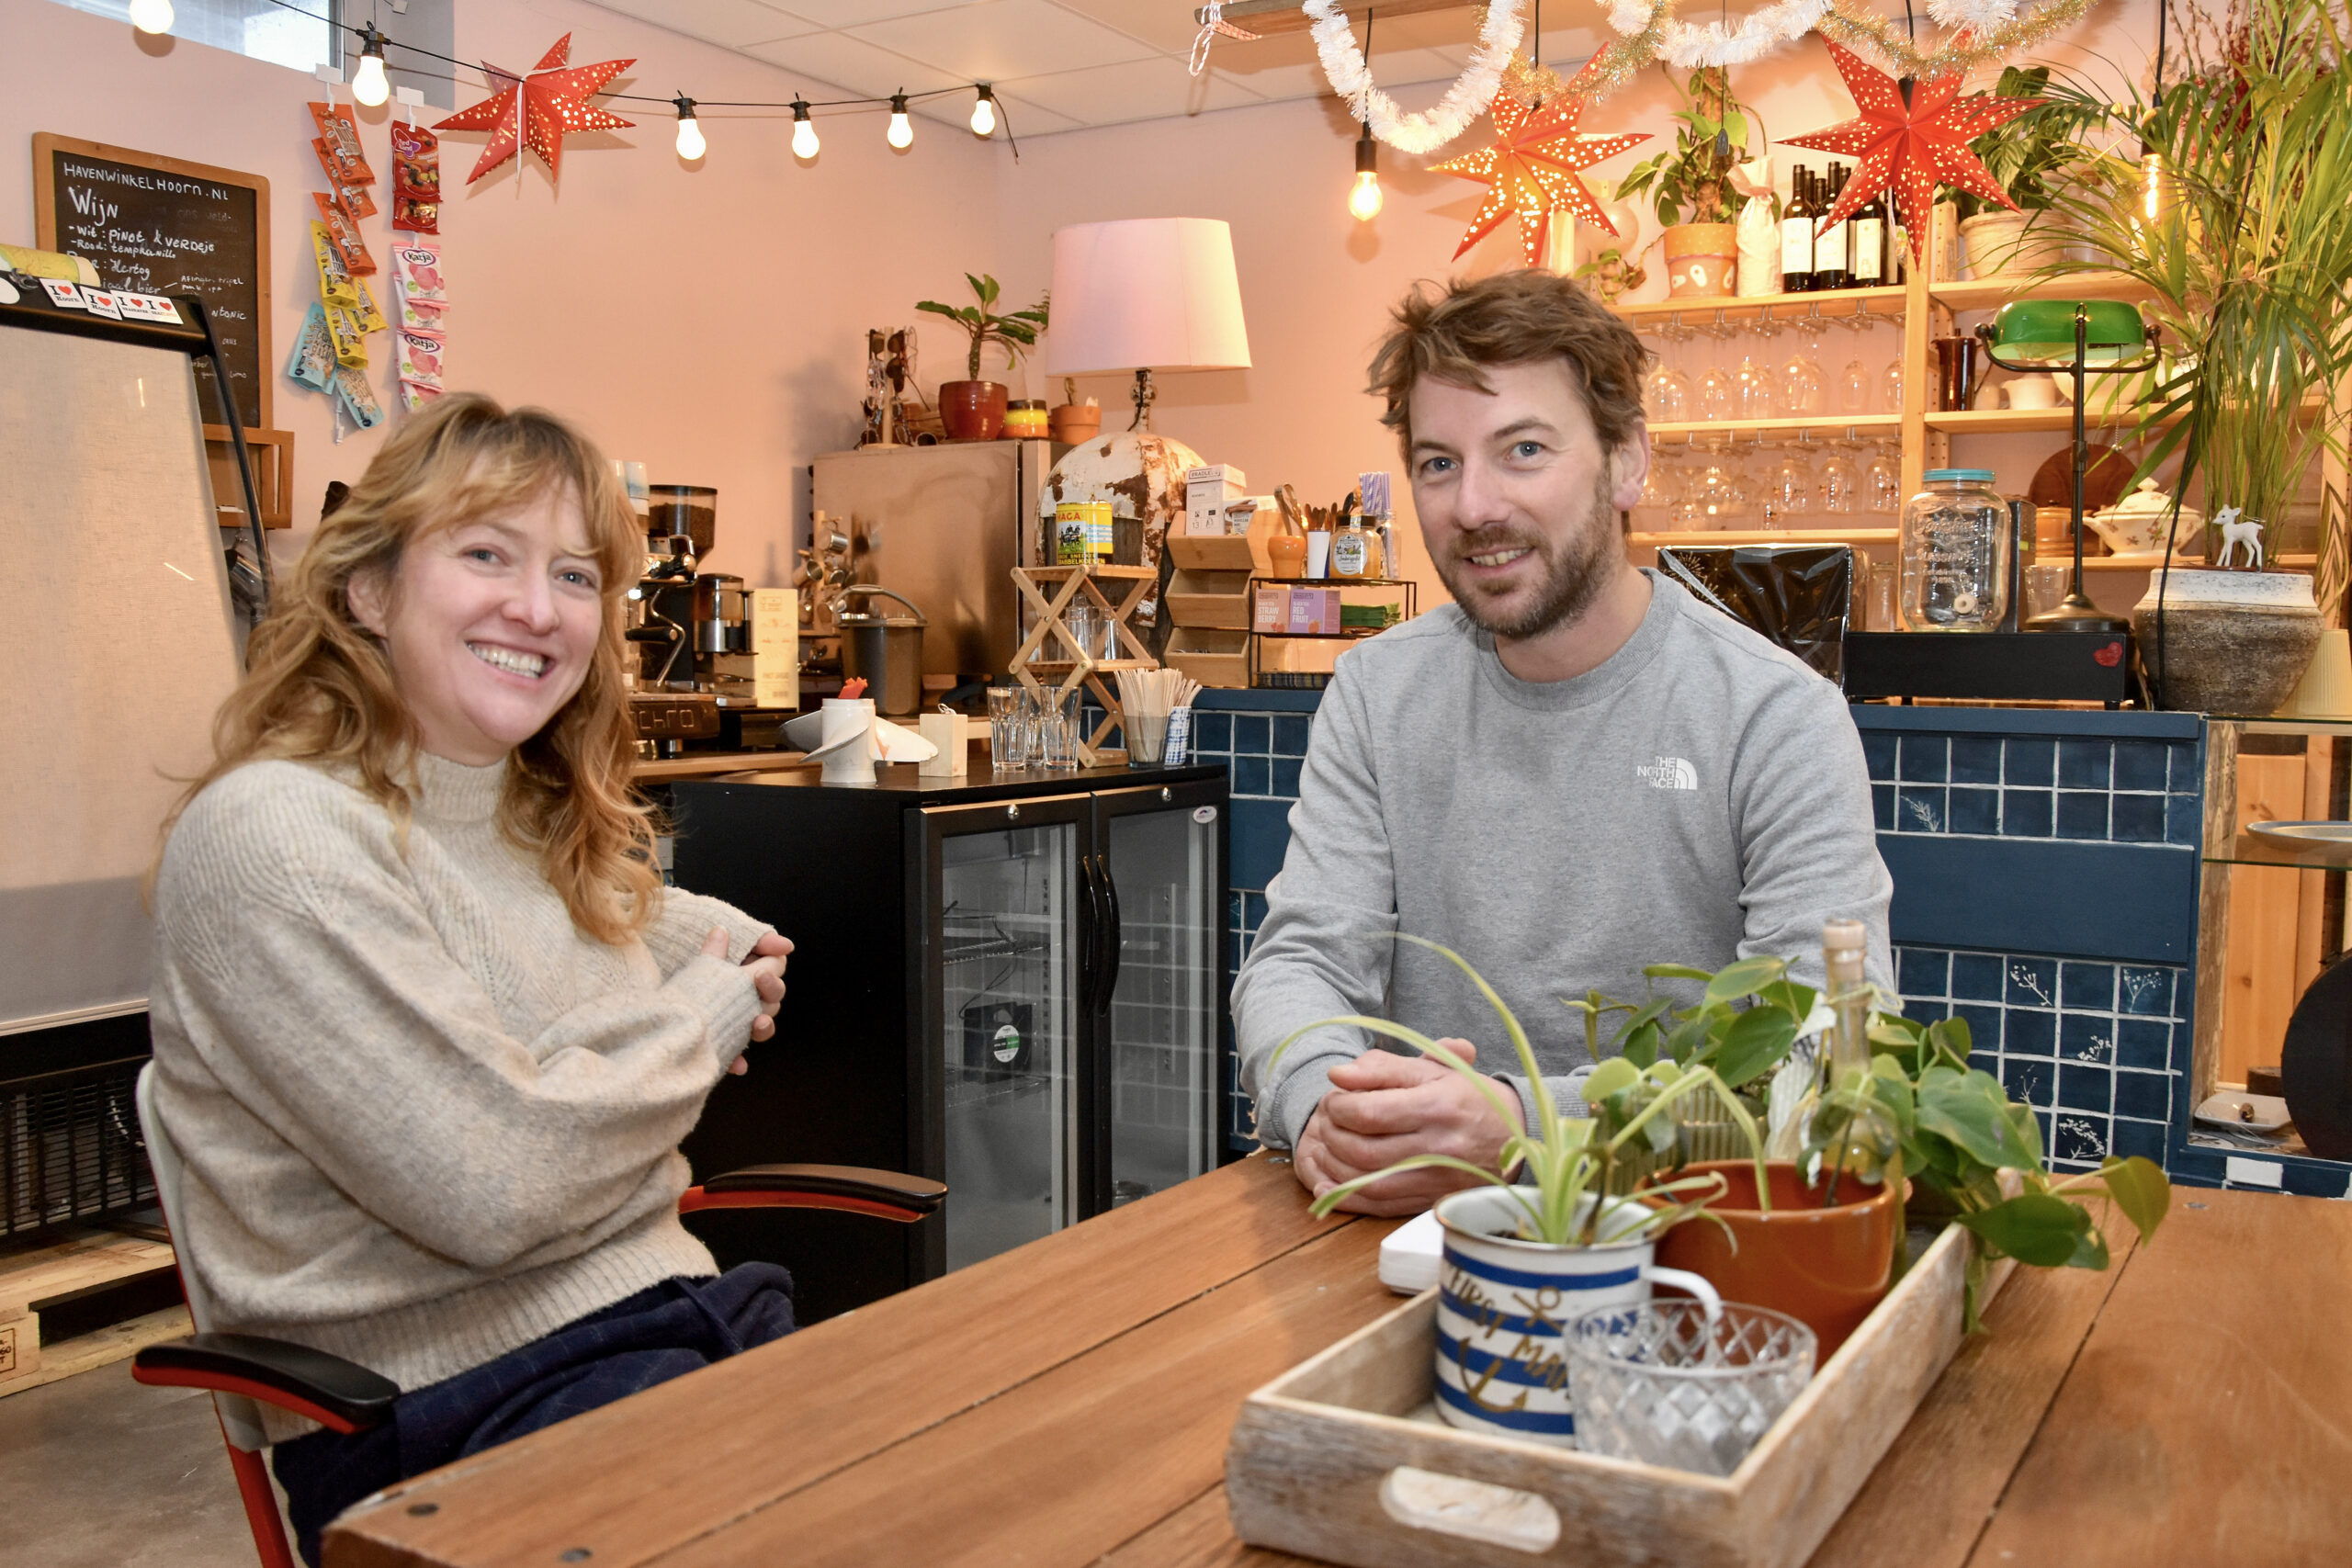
[{"x": 118, "y": 650}]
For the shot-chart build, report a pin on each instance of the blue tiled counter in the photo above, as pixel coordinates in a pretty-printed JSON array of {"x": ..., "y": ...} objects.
[{"x": 2046, "y": 890}]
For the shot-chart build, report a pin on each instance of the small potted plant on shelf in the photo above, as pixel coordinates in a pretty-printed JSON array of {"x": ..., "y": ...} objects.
[
  {"x": 974, "y": 410},
  {"x": 1690, "y": 186},
  {"x": 2031, "y": 158},
  {"x": 1559, "y": 1207},
  {"x": 1071, "y": 420},
  {"x": 2233, "y": 221}
]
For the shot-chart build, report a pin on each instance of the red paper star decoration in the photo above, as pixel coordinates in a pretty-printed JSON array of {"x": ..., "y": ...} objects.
[
  {"x": 534, "y": 111},
  {"x": 1531, "y": 168},
  {"x": 1913, "y": 148}
]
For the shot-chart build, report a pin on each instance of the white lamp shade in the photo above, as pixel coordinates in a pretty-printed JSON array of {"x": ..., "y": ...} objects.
[{"x": 1146, "y": 293}]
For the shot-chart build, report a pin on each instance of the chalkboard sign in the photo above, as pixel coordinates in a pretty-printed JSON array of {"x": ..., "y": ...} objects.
[{"x": 163, "y": 226}]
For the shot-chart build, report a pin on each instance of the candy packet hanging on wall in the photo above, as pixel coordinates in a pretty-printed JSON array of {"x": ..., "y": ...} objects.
[
  {"x": 416, "y": 265},
  {"x": 336, "y": 285},
  {"x": 427, "y": 317},
  {"x": 350, "y": 342},
  {"x": 413, "y": 397},
  {"x": 339, "y": 127},
  {"x": 312, "y": 363},
  {"x": 357, "y": 398},
  {"x": 371, "y": 319},
  {"x": 420, "y": 364},
  {"x": 344, "y": 234},
  {"x": 416, "y": 179}
]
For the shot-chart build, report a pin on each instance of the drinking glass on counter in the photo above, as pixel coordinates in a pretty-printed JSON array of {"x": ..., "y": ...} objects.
[
  {"x": 1666, "y": 1384},
  {"x": 1054, "y": 713},
  {"x": 1883, "y": 616},
  {"x": 1009, "y": 729},
  {"x": 2046, "y": 583}
]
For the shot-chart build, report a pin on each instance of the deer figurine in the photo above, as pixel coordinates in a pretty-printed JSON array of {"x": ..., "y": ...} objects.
[{"x": 2233, "y": 534}]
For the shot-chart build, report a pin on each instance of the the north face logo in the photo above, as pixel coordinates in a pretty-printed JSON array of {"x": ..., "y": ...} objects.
[{"x": 1669, "y": 772}]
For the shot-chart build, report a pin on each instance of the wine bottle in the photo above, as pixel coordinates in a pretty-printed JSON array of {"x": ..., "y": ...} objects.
[
  {"x": 1868, "y": 231},
  {"x": 1831, "y": 268},
  {"x": 1797, "y": 219}
]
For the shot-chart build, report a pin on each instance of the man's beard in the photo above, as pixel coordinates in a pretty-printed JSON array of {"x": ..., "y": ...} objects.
[{"x": 1575, "y": 575}]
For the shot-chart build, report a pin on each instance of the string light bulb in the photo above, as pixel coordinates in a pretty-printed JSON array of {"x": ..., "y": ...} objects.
[
  {"x": 690, "y": 145},
  {"x": 1365, "y": 198},
  {"x": 804, "y": 130},
  {"x": 984, "y": 111},
  {"x": 367, "y": 85},
  {"x": 152, "y": 15},
  {"x": 902, "y": 130}
]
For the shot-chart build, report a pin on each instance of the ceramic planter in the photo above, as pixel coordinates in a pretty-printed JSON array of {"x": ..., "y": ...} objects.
[
  {"x": 1073, "y": 423},
  {"x": 1702, "y": 259},
  {"x": 1504, "y": 1304},
  {"x": 2012, "y": 244},
  {"x": 972, "y": 410},
  {"x": 1825, "y": 1267},
  {"x": 2234, "y": 642}
]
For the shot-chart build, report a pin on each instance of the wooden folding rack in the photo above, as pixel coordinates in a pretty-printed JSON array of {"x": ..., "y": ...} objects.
[{"x": 1086, "y": 669}]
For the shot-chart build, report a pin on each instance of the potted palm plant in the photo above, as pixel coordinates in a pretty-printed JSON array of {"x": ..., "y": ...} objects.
[
  {"x": 1690, "y": 186},
  {"x": 2236, "y": 222},
  {"x": 973, "y": 409}
]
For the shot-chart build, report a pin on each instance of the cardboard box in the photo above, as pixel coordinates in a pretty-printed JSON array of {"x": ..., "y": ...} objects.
[
  {"x": 1208, "y": 492},
  {"x": 1314, "y": 610},
  {"x": 1272, "y": 611}
]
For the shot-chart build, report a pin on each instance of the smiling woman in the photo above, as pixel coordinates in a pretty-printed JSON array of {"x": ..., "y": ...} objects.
[{"x": 427, "y": 1028}]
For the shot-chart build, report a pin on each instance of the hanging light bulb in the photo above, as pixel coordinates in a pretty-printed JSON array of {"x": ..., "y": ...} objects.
[
  {"x": 368, "y": 84},
  {"x": 1365, "y": 198},
  {"x": 902, "y": 130},
  {"x": 152, "y": 15},
  {"x": 984, "y": 111},
  {"x": 690, "y": 145},
  {"x": 2152, "y": 179},
  {"x": 804, "y": 130}
]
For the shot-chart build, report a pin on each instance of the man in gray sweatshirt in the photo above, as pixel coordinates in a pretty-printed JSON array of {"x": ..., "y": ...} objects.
[{"x": 1574, "y": 769}]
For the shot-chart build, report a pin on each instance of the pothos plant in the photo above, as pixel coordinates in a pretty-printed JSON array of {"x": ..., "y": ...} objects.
[
  {"x": 1016, "y": 329},
  {"x": 1973, "y": 1154},
  {"x": 1691, "y": 181},
  {"x": 1563, "y": 1170}
]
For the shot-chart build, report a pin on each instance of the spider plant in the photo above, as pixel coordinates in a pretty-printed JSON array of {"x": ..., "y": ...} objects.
[
  {"x": 1563, "y": 1171},
  {"x": 2237, "y": 223}
]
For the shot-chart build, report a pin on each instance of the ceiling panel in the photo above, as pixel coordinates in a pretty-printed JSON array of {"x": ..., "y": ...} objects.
[
  {"x": 729, "y": 23},
  {"x": 1166, "y": 25},
  {"x": 1142, "y": 89},
  {"x": 1002, "y": 41},
  {"x": 1285, "y": 66},
  {"x": 838, "y": 14},
  {"x": 852, "y": 64}
]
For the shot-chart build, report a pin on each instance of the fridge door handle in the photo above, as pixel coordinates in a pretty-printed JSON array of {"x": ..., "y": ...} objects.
[
  {"x": 1089, "y": 933},
  {"x": 1114, "y": 932}
]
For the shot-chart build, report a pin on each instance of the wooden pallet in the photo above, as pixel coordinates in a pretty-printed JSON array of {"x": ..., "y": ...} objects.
[{"x": 32, "y": 1281}]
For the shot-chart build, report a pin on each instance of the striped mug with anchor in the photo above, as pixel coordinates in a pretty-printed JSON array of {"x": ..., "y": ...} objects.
[{"x": 1504, "y": 1307}]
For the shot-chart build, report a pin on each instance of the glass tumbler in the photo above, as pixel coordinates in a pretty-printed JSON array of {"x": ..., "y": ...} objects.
[
  {"x": 1661, "y": 1382},
  {"x": 1055, "y": 714},
  {"x": 1008, "y": 729}
]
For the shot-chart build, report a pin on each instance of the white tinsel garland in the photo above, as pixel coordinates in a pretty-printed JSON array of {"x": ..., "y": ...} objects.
[
  {"x": 1758, "y": 34},
  {"x": 1972, "y": 15},
  {"x": 1343, "y": 65}
]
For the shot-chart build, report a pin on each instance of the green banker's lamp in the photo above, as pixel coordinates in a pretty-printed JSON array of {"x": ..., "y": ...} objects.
[{"x": 2087, "y": 337}]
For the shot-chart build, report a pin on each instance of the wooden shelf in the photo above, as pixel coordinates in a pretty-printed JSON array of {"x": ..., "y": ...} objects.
[
  {"x": 1690, "y": 431},
  {"x": 1989, "y": 293},
  {"x": 1767, "y": 537},
  {"x": 1887, "y": 301},
  {"x": 2009, "y": 421}
]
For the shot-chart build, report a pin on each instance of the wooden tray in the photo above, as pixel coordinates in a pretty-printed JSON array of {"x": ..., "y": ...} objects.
[{"x": 1342, "y": 1457}]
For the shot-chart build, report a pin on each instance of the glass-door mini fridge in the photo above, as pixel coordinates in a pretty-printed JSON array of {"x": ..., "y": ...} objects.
[{"x": 1010, "y": 984}]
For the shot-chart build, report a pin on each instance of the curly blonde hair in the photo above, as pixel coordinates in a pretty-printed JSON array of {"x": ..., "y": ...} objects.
[{"x": 319, "y": 687}]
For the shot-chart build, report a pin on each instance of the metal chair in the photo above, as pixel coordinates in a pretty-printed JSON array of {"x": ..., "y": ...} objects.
[{"x": 242, "y": 1370}]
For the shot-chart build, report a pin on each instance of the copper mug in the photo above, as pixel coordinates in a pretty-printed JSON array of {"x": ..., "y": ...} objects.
[{"x": 1955, "y": 372}]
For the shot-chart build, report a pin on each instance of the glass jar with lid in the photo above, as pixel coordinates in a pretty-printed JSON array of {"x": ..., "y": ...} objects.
[{"x": 1955, "y": 548}]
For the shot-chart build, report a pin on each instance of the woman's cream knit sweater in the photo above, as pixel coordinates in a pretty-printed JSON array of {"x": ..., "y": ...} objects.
[{"x": 424, "y": 1119}]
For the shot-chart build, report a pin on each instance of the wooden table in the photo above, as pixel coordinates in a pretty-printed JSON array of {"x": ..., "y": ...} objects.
[{"x": 1069, "y": 1402}]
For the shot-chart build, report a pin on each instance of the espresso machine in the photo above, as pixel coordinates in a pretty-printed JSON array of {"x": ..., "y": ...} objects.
[{"x": 705, "y": 643}]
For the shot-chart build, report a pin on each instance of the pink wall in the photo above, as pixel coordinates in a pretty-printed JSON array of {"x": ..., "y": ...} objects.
[
  {"x": 1316, "y": 286},
  {"x": 709, "y": 320}
]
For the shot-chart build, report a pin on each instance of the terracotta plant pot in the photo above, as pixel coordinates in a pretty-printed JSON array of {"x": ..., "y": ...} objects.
[
  {"x": 1825, "y": 1267},
  {"x": 1074, "y": 423},
  {"x": 1702, "y": 259},
  {"x": 972, "y": 410}
]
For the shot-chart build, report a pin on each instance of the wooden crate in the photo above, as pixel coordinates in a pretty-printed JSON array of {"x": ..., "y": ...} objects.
[
  {"x": 30, "y": 1280},
  {"x": 1198, "y": 597},
  {"x": 1332, "y": 1459},
  {"x": 1228, "y": 552},
  {"x": 1212, "y": 657}
]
